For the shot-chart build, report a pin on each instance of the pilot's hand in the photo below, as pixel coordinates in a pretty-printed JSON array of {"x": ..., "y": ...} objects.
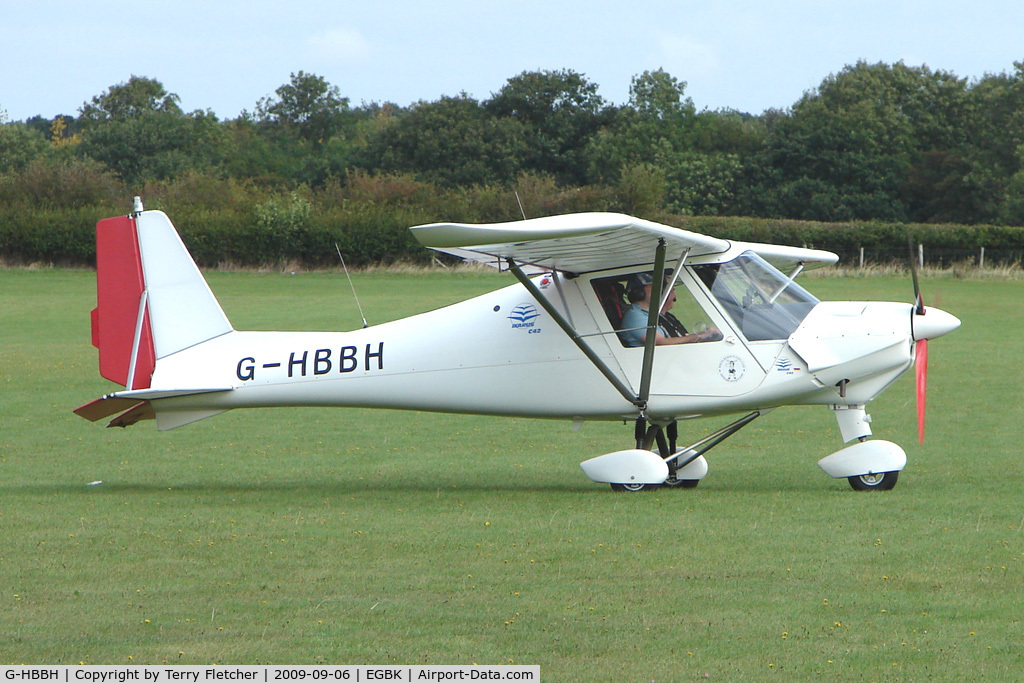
[{"x": 710, "y": 334}]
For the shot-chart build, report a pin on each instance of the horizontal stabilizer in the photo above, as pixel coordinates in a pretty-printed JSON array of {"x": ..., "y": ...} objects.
[
  {"x": 172, "y": 419},
  {"x": 154, "y": 394},
  {"x": 141, "y": 411},
  {"x": 133, "y": 406},
  {"x": 96, "y": 410}
]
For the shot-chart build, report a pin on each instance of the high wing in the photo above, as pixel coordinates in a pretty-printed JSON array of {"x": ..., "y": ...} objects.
[
  {"x": 784, "y": 258},
  {"x": 575, "y": 243},
  {"x": 587, "y": 242}
]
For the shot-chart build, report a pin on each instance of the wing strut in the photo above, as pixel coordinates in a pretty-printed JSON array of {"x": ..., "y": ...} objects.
[
  {"x": 674, "y": 279},
  {"x": 639, "y": 400},
  {"x": 567, "y": 327},
  {"x": 652, "y": 325}
]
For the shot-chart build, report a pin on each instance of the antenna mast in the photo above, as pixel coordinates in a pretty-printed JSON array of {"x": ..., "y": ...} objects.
[
  {"x": 354, "y": 295},
  {"x": 520, "y": 202}
]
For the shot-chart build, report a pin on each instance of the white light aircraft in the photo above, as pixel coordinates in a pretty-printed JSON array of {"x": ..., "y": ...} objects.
[{"x": 550, "y": 346}]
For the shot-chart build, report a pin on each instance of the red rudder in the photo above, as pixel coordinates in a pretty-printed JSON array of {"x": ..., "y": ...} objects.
[{"x": 120, "y": 283}]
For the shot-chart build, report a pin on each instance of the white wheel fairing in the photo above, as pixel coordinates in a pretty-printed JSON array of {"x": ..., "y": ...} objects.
[
  {"x": 633, "y": 466},
  {"x": 864, "y": 458}
]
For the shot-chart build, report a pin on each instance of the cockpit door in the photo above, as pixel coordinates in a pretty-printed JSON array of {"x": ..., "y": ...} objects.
[{"x": 720, "y": 368}]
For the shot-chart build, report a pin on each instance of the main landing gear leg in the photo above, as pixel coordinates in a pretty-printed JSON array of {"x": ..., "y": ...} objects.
[
  {"x": 666, "y": 437},
  {"x": 686, "y": 466},
  {"x": 646, "y": 435},
  {"x": 669, "y": 446}
]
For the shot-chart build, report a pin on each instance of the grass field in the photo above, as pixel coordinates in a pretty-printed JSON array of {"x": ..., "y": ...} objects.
[{"x": 351, "y": 536}]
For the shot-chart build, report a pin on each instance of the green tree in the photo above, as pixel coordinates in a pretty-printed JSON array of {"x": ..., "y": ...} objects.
[
  {"x": 308, "y": 106},
  {"x": 641, "y": 190},
  {"x": 727, "y": 131},
  {"x": 560, "y": 112},
  {"x": 996, "y": 146},
  {"x": 154, "y": 145},
  {"x": 652, "y": 127},
  {"x": 691, "y": 160},
  {"x": 60, "y": 181},
  {"x": 853, "y": 139},
  {"x": 251, "y": 153},
  {"x": 126, "y": 101},
  {"x": 659, "y": 95},
  {"x": 943, "y": 186},
  {"x": 1011, "y": 210},
  {"x": 139, "y": 132},
  {"x": 452, "y": 141},
  {"x": 19, "y": 145},
  {"x": 701, "y": 184}
]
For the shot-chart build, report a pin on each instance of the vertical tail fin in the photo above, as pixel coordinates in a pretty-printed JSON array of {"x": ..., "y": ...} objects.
[{"x": 152, "y": 301}]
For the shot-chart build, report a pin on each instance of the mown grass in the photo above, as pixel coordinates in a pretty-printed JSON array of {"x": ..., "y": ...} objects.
[{"x": 353, "y": 536}]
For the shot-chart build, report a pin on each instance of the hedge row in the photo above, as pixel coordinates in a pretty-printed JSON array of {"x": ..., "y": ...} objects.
[
  {"x": 948, "y": 242},
  {"x": 292, "y": 230},
  {"x": 365, "y": 236}
]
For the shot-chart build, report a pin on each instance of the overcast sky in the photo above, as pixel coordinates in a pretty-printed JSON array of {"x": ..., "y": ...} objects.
[{"x": 225, "y": 55}]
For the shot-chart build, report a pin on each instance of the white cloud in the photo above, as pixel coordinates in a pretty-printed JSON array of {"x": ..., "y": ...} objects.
[
  {"x": 683, "y": 57},
  {"x": 338, "y": 44}
]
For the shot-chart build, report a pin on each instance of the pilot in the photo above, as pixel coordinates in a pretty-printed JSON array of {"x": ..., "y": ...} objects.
[{"x": 670, "y": 330}]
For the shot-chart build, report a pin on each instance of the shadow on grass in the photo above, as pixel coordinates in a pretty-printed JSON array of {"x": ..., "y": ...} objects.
[
  {"x": 296, "y": 487},
  {"x": 751, "y": 486}
]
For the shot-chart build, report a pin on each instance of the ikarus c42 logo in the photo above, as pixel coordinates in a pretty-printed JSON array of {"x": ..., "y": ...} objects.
[{"x": 524, "y": 316}]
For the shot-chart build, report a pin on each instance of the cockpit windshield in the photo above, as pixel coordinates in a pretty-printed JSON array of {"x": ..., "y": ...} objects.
[{"x": 764, "y": 303}]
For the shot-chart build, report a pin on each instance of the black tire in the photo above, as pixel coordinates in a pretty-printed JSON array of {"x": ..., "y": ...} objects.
[
  {"x": 883, "y": 481},
  {"x": 632, "y": 488},
  {"x": 681, "y": 483}
]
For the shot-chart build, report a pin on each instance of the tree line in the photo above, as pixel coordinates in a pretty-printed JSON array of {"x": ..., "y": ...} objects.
[{"x": 874, "y": 142}]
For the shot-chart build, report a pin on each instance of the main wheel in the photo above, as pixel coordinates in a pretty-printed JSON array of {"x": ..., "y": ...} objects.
[
  {"x": 634, "y": 488},
  {"x": 681, "y": 483},
  {"x": 881, "y": 481}
]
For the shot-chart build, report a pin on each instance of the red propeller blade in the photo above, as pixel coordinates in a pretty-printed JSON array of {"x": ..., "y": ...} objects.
[
  {"x": 921, "y": 369},
  {"x": 922, "y": 347}
]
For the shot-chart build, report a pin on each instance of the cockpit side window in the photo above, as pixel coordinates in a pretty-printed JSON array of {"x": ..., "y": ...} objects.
[
  {"x": 681, "y": 316},
  {"x": 611, "y": 292}
]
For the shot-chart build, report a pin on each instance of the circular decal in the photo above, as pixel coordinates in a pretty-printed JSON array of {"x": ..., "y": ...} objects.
[{"x": 731, "y": 368}]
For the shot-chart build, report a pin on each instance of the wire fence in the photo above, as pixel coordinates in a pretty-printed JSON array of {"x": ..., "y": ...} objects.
[{"x": 930, "y": 257}]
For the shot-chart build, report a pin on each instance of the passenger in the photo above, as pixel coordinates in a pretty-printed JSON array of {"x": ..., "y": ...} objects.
[{"x": 670, "y": 330}]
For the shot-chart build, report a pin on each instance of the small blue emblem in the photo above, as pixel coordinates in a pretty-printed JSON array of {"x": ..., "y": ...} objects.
[
  {"x": 523, "y": 315},
  {"x": 785, "y": 366}
]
